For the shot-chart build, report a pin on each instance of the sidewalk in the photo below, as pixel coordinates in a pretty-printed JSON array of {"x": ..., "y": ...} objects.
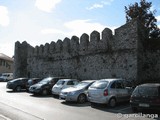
[{"x": 4, "y": 118}]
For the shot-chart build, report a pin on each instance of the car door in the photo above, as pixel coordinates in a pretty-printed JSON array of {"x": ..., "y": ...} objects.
[
  {"x": 122, "y": 93},
  {"x": 23, "y": 83},
  {"x": 113, "y": 91}
]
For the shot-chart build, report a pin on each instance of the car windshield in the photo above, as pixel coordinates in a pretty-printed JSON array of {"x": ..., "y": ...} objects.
[
  {"x": 82, "y": 85},
  {"x": 99, "y": 84},
  {"x": 61, "y": 82},
  {"x": 15, "y": 80},
  {"x": 148, "y": 91},
  {"x": 5, "y": 75},
  {"x": 46, "y": 80}
]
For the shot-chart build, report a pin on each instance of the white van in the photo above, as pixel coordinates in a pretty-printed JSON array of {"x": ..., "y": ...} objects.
[
  {"x": 6, "y": 77},
  {"x": 63, "y": 83}
]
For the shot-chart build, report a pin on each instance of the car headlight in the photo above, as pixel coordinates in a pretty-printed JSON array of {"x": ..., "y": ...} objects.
[{"x": 72, "y": 93}]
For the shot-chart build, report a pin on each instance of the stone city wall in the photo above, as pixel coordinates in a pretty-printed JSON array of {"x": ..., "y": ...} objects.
[{"x": 89, "y": 57}]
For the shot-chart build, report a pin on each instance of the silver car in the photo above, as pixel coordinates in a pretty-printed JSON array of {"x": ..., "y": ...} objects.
[
  {"x": 77, "y": 93},
  {"x": 62, "y": 84},
  {"x": 109, "y": 91}
]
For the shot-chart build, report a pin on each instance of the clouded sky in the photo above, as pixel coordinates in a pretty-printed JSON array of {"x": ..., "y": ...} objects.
[{"x": 42, "y": 21}]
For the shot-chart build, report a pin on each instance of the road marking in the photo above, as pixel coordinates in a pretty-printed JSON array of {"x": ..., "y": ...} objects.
[{"x": 5, "y": 118}]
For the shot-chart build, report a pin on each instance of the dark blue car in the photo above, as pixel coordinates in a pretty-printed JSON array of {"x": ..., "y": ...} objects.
[{"x": 17, "y": 84}]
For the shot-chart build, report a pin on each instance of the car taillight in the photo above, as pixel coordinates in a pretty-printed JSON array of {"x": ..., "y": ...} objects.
[{"x": 105, "y": 92}]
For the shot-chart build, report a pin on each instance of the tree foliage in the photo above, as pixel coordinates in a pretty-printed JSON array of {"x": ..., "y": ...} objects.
[{"x": 145, "y": 15}]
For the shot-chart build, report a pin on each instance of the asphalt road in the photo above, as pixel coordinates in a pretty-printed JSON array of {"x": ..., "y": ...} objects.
[{"x": 25, "y": 106}]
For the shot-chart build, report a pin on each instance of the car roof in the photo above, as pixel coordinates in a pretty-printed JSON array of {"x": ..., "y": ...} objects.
[
  {"x": 110, "y": 79},
  {"x": 150, "y": 85},
  {"x": 18, "y": 79},
  {"x": 56, "y": 77},
  {"x": 66, "y": 79},
  {"x": 88, "y": 81}
]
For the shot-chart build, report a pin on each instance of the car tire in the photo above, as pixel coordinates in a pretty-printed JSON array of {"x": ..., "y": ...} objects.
[
  {"x": 45, "y": 92},
  {"x": 18, "y": 89},
  {"x": 93, "y": 104},
  {"x": 112, "y": 102},
  {"x": 82, "y": 98}
]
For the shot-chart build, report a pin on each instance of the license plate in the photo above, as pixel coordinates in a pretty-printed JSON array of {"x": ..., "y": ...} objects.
[{"x": 143, "y": 105}]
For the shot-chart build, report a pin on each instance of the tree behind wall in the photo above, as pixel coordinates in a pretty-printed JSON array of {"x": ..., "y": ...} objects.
[{"x": 145, "y": 15}]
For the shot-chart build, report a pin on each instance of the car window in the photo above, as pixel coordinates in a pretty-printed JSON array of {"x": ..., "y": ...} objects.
[
  {"x": 56, "y": 79},
  {"x": 15, "y": 80},
  {"x": 52, "y": 81},
  {"x": 60, "y": 82},
  {"x": 99, "y": 84},
  {"x": 25, "y": 80},
  {"x": 81, "y": 85},
  {"x": 135, "y": 91},
  {"x": 75, "y": 82},
  {"x": 128, "y": 83},
  {"x": 148, "y": 91},
  {"x": 113, "y": 85},
  {"x": 45, "y": 80},
  {"x": 36, "y": 80},
  {"x": 119, "y": 85},
  {"x": 70, "y": 83}
]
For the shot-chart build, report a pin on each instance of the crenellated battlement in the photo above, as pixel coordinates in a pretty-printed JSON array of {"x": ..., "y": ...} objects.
[
  {"x": 73, "y": 47},
  {"x": 86, "y": 44}
]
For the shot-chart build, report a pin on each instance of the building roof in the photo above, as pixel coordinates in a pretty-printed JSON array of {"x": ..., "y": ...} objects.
[{"x": 5, "y": 57}]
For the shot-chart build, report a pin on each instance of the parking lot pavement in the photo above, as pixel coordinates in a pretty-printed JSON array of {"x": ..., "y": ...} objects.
[
  {"x": 120, "y": 108},
  {"x": 24, "y": 106}
]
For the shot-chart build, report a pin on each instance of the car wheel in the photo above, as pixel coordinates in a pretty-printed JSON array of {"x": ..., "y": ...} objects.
[
  {"x": 18, "y": 89},
  {"x": 93, "y": 104},
  {"x": 82, "y": 98},
  {"x": 44, "y": 92},
  {"x": 112, "y": 102}
]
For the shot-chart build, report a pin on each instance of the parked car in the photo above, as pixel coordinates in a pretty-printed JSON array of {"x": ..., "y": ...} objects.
[
  {"x": 17, "y": 84},
  {"x": 109, "y": 91},
  {"x": 6, "y": 77},
  {"x": 62, "y": 84},
  {"x": 77, "y": 93},
  {"x": 32, "y": 81},
  {"x": 44, "y": 87},
  {"x": 146, "y": 96}
]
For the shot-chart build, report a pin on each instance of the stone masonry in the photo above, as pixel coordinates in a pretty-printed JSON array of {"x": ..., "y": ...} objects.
[{"x": 97, "y": 56}]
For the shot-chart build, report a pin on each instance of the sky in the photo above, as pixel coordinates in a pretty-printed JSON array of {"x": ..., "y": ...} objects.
[{"x": 43, "y": 21}]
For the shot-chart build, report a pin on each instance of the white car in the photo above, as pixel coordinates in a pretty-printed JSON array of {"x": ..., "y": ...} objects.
[
  {"x": 63, "y": 83},
  {"x": 6, "y": 77},
  {"x": 109, "y": 91}
]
